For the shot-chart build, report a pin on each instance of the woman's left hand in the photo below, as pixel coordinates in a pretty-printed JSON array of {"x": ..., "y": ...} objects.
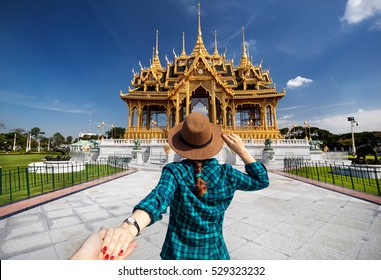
[{"x": 117, "y": 242}]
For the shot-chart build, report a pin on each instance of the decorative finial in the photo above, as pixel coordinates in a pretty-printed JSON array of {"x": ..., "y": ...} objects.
[
  {"x": 183, "y": 54},
  {"x": 215, "y": 42},
  {"x": 184, "y": 42},
  {"x": 157, "y": 42},
  {"x": 173, "y": 50},
  {"x": 243, "y": 42},
  {"x": 199, "y": 20}
]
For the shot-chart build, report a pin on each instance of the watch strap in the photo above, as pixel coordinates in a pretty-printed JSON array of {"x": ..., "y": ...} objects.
[{"x": 132, "y": 221}]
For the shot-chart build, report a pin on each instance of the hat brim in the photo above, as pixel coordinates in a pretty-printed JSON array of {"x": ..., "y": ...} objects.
[{"x": 188, "y": 152}]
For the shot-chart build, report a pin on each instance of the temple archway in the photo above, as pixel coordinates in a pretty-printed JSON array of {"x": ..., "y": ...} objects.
[{"x": 200, "y": 101}]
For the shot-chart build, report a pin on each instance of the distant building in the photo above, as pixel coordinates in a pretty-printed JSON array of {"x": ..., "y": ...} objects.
[{"x": 87, "y": 134}]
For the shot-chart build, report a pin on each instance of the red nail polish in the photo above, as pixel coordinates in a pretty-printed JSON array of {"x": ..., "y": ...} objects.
[
  {"x": 107, "y": 256},
  {"x": 121, "y": 252},
  {"x": 104, "y": 249},
  {"x": 112, "y": 258}
]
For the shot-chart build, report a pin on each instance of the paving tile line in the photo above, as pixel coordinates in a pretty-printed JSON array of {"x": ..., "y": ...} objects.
[{"x": 28, "y": 203}]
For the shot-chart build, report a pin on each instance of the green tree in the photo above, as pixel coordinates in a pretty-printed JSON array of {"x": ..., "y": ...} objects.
[
  {"x": 116, "y": 133},
  {"x": 35, "y": 131},
  {"x": 19, "y": 130},
  {"x": 284, "y": 131},
  {"x": 58, "y": 139}
]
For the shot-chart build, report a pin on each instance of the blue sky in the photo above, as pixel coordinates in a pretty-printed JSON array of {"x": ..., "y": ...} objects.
[{"x": 62, "y": 60}]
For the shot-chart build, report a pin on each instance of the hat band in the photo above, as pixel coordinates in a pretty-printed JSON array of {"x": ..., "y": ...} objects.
[{"x": 193, "y": 145}]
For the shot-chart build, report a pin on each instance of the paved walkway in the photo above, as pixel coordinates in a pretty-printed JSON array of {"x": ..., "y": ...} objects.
[{"x": 288, "y": 220}]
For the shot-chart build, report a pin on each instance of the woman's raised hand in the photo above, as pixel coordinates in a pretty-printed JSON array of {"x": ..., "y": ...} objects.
[{"x": 236, "y": 144}]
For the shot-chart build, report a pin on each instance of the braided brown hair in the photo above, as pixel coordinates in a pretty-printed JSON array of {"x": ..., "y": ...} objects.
[{"x": 200, "y": 184}]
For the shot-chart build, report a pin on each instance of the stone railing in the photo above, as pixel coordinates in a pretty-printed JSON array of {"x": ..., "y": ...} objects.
[{"x": 155, "y": 141}]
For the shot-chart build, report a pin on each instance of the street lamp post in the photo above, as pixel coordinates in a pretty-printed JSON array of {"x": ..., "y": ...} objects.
[
  {"x": 103, "y": 129},
  {"x": 353, "y": 122}
]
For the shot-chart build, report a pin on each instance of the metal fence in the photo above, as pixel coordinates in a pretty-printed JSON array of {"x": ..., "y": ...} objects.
[
  {"x": 365, "y": 178},
  {"x": 21, "y": 183}
]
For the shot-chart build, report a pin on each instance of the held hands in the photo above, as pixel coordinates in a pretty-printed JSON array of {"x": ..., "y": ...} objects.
[
  {"x": 117, "y": 242},
  {"x": 235, "y": 143},
  {"x": 91, "y": 248}
]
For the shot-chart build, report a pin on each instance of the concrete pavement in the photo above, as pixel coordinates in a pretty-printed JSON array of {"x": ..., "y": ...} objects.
[{"x": 288, "y": 220}]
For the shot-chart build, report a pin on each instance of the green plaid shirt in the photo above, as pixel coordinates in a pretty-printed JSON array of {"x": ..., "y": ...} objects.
[{"x": 195, "y": 223}]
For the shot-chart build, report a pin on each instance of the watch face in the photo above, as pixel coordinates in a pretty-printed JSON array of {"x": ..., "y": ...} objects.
[{"x": 131, "y": 220}]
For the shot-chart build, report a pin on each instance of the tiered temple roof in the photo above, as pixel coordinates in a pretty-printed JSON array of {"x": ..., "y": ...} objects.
[{"x": 239, "y": 98}]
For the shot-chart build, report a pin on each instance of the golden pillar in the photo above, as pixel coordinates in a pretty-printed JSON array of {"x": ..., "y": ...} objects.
[
  {"x": 233, "y": 115},
  {"x": 274, "y": 118},
  {"x": 177, "y": 109},
  {"x": 139, "y": 113},
  {"x": 129, "y": 117},
  {"x": 187, "y": 99},
  {"x": 224, "y": 120},
  {"x": 264, "y": 116},
  {"x": 213, "y": 103}
]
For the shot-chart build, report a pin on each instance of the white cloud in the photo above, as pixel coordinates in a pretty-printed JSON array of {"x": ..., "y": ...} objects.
[
  {"x": 291, "y": 108},
  {"x": 376, "y": 25},
  {"x": 368, "y": 120},
  {"x": 286, "y": 117},
  {"x": 360, "y": 10},
  {"x": 298, "y": 82},
  {"x": 45, "y": 102}
]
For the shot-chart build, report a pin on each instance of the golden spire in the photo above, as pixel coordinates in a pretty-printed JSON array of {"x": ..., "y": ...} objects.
[
  {"x": 157, "y": 42},
  {"x": 156, "y": 65},
  {"x": 244, "y": 60},
  {"x": 199, "y": 21},
  {"x": 183, "y": 54},
  {"x": 243, "y": 43},
  {"x": 199, "y": 48},
  {"x": 215, "y": 44}
]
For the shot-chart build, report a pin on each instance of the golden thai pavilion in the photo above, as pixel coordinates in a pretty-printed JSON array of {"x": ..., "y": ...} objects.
[{"x": 240, "y": 99}]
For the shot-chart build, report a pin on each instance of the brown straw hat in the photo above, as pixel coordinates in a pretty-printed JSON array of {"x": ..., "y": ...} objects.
[{"x": 195, "y": 138}]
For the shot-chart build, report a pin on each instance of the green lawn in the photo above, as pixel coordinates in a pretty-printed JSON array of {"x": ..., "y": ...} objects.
[
  {"x": 11, "y": 161},
  {"x": 17, "y": 182},
  {"x": 324, "y": 174}
]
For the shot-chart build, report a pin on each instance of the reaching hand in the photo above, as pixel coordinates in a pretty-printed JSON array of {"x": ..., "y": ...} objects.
[{"x": 91, "y": 248}]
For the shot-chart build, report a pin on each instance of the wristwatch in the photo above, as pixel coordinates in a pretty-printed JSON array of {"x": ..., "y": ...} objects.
[{"x": 132, "y": 221}]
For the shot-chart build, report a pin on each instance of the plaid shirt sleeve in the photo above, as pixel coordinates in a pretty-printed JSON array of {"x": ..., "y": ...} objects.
[
  {"x": 157, "y": 201},
  {"x": 255, "y": 179}
]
